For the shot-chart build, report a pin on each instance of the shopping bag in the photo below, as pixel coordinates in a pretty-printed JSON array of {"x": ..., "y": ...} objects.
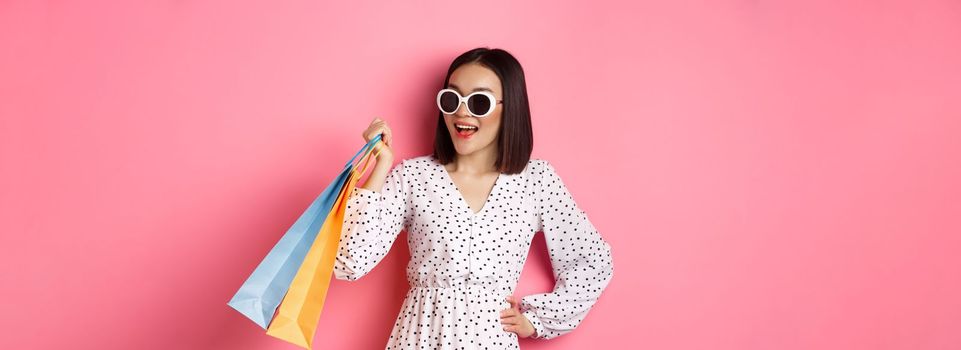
[
  {"x": 296, "y": 320},
  {"x": 262, "y": 292}
]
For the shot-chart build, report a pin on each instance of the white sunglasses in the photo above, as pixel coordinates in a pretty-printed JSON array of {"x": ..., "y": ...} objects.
[{"x": 479, "y": 103}]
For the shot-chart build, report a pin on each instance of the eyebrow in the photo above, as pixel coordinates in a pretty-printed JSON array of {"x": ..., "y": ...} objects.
[{"x": 475, "y": 89}]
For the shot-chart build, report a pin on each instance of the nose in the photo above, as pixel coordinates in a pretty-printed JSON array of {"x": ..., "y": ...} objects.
[{"x": 462, "y": 110}]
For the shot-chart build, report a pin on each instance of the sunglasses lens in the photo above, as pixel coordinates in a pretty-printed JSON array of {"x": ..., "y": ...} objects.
[
  {"x": 479, "y": 104},
  {"x": 449, "y": 102}
]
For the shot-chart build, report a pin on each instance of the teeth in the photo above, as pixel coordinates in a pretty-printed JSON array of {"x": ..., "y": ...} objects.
[{"x": 465, "y": 127}]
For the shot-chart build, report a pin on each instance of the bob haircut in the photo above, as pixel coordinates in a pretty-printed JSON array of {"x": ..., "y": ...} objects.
[{"x": 515, "y": 137}]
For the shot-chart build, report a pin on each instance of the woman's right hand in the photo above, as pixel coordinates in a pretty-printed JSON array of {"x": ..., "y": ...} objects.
[{"x": 379, "y": 126}]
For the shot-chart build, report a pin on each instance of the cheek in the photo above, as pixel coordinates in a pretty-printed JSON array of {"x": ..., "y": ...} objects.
[
  {"x": 493, "y": 128},
  {"x": 493, "y": 124}
]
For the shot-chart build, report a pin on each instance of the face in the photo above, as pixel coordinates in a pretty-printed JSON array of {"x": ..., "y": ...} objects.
[{"x": 466, "y": 79}]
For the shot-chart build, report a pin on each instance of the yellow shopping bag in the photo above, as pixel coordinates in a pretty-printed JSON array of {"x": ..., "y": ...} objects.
[{"x": 299, "y": 312}]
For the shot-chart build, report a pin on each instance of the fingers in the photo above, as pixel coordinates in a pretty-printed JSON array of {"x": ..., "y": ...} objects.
[
  {"x": 379, "y": 126},
  {"x": 514, "y": 309},
  {"x": 388, "y": 137},
  {"x": 511, "y": 323},
  {"x": 511, "y": 312},
  {"x": 376, "y": 127},
  {"x": 511, "y": 317}
]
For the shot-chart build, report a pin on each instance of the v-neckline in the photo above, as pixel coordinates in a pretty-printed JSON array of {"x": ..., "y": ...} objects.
[{"x": 463, "y": 201}]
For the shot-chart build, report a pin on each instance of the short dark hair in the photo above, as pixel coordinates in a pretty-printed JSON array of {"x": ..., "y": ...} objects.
[{"x": 515, "y": 137}]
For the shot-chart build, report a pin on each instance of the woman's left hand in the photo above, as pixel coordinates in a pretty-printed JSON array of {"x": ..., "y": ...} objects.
[{"x": 514, "y": 321}]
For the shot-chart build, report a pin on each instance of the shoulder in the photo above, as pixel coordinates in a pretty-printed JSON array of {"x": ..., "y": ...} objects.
[
  {"x": 418, "y": 162},
  {"x": 536, "y": 167},
  {"x": 415, "y": 165},
  {"x": 421, "y": 159},
  {"x": 539, "y": 167}
]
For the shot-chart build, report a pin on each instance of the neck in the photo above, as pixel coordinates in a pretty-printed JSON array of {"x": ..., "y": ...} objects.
[{"x": 479, "y": 162}]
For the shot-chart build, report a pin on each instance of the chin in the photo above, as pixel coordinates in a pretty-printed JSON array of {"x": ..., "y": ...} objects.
[
  {"x": 462, "y": 150},
  {"x": 465, "y": 150}
]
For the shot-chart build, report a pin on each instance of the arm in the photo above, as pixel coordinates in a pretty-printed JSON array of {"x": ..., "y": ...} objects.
[
  {"x": 580, "y": 258},
  {"x": 374, "y": 216}
]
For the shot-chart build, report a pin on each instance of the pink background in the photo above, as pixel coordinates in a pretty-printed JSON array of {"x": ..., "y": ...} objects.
[{"x": 771, "y": 175}]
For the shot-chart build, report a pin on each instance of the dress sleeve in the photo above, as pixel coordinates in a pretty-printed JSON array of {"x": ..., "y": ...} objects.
[
  {"x": 372, "y": 221},
  {"x": 580, "y": 258}
]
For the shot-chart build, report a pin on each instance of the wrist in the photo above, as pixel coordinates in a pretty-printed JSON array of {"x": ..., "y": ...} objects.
[
  {"x": 384, "y": 162},
  {"x": 535, "y": 323}
]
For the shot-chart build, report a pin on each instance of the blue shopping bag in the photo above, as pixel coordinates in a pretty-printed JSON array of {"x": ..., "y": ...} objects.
[{"x": 263, "y": 291}]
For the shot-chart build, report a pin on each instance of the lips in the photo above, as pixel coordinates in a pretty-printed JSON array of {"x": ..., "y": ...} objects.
[
  {"x": 465, "y": 125},
  {"x": 465, "y": 129}
]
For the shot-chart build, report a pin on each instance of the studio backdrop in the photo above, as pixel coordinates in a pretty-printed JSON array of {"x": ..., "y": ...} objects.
[{"x": 769, "y": 174}]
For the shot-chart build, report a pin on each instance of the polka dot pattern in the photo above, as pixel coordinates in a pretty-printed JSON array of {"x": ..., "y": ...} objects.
[{"x": 464, "y": 264}]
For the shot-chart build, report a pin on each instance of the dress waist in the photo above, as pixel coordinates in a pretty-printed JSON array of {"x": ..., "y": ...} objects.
[
  {"x": 487, "y": 286},
  {"x": 484, "y": 296}
]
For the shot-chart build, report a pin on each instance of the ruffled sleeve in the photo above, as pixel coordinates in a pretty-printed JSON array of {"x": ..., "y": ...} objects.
[
  {"x": 372, "y": 221},
  {"x": 580, "y": 258}
]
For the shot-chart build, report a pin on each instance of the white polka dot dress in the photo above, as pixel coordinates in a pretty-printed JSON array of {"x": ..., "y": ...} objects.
[{"x": 464, "y": 264}]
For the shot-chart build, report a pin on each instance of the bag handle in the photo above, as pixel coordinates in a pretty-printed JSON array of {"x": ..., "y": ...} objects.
[
  {"x": 366, "y": 160},
  {"x": 364, "y": 149}
]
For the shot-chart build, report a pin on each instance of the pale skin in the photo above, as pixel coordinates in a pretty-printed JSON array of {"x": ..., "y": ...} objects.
[{"x": 472, "y": 170}]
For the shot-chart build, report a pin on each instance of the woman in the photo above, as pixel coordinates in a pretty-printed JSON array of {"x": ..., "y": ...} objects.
[{"x": 471, "y": 209}]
